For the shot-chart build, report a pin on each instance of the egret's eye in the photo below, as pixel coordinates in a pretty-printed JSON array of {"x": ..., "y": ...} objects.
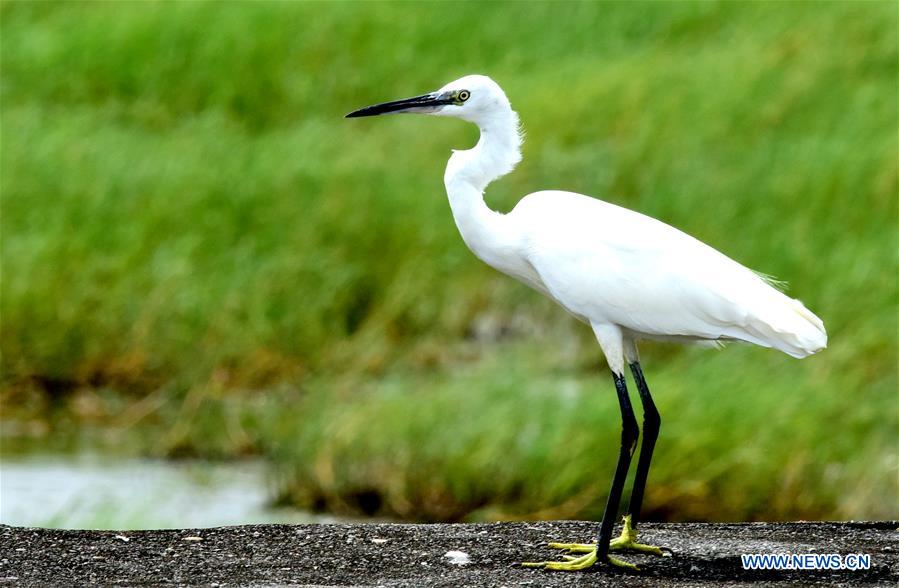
[{"x": 463, "y": 95}]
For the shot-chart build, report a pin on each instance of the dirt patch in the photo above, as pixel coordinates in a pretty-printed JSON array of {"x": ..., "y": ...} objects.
[{"x": 416, "y": 555}]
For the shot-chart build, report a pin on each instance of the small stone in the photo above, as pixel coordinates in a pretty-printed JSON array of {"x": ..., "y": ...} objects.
[
  {"x": 458, "y": 558},
  {"x": 192, "y": 539},
  {"x": 378, "y": 540}
]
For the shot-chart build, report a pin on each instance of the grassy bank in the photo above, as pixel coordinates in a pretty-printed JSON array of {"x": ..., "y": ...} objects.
[{"x": 195, "y": 243}]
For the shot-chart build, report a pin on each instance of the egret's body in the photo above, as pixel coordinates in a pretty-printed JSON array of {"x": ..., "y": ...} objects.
[
  {"x": 629, "y": 276},
  {"x": 665, "y": 286}
]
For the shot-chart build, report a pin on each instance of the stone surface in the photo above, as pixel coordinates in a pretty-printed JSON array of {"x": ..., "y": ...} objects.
[{"x": 401, "y": 555}]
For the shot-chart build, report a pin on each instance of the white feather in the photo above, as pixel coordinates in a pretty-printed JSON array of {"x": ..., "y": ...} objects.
[
  {"x": 607, "y": 264},
  {"x": 629, "y": 276}
]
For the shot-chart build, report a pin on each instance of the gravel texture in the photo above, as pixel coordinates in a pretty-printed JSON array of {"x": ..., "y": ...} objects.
[{"x": 400, "y": 555}]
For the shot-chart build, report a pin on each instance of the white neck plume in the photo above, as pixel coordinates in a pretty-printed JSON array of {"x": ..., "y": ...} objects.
[{"x": 467, "y": 175}]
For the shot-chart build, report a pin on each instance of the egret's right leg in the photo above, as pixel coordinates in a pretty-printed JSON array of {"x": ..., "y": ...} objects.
[
  {"x": 651, "y": 424},
  {"x": 627, "y": 541},
  {"x": 599, "y": 552}
]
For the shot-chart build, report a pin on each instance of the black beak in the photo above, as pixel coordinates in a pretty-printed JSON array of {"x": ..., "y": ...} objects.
[{"x": 424, "y": 103}]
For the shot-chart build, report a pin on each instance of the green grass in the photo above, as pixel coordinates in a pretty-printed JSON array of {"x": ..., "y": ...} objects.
[{"x": 191, "y": 228}]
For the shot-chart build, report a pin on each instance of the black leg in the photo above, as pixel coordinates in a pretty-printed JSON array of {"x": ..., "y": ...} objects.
[
  {"x": 651, "y": 423},
  {"x": 629, "y": 435}
]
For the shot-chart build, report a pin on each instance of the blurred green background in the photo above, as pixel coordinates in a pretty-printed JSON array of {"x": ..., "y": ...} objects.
[{"x": 201, "y": 258}]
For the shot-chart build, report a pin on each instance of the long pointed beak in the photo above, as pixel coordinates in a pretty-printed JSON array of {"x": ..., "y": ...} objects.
[{"x": 424, "y": 103}]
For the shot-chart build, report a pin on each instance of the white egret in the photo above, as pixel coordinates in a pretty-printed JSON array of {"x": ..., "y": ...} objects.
[{"x": 630, "y": 277}]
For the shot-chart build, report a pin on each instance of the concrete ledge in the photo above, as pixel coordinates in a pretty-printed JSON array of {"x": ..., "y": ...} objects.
[{"x": 414, "y": 555}]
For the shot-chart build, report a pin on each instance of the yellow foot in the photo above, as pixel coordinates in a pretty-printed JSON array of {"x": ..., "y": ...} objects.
[
  {"x": 572, "y": 564},
  {"x": 626, "y": 541}
]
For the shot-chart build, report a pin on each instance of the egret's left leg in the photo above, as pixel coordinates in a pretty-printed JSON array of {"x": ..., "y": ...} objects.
[
  {"x": 627, "y": 541},
  {"x": 651, "y": 424},
  {"x": 599, "y": 552}
]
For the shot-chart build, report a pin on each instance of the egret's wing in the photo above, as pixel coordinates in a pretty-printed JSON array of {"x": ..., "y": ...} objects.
[{"x": 605, "y": 263}]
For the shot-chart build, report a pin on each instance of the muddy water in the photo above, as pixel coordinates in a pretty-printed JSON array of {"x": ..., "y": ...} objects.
[{"x": 93, "y": 492}]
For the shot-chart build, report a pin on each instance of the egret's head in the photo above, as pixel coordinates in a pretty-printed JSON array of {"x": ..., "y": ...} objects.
[{"x": 474, "y": 98}]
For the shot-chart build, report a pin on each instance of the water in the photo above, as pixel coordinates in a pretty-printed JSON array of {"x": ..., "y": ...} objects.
[{"x": 92, "y": 492}]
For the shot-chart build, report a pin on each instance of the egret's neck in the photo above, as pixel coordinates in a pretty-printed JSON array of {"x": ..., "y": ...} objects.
[
  {"x": 495, "y": 155},
  {"x": 467, "y": 175}
]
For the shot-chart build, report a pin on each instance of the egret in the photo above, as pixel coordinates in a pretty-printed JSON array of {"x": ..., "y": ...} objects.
[{"x": 629, "y": 276}]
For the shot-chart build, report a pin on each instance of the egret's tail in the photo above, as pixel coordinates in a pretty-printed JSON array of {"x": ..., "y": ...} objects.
[{"x": 786, "y": 324}]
